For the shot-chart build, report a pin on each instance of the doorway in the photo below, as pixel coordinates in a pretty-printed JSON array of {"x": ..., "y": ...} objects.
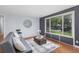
[{"x": 1, "y": 27}]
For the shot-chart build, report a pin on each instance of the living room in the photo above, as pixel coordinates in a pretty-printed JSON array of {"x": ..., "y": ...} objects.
[{"x": 34, "y": 25}]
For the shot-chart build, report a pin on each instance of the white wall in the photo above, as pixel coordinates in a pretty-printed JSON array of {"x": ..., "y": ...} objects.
[
  {"x": 1, "y": 24},
  {"x": 16, "y": 22}
]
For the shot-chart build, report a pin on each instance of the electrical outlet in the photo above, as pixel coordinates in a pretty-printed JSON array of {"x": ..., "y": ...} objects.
[{"x": 77, "y": 41}]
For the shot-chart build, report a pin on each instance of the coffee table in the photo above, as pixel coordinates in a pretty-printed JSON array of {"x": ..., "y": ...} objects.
[{"x": 40, "y": 41}]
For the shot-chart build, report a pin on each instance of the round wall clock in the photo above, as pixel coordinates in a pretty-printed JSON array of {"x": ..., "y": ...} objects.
[{"x": 27, "y": 23}]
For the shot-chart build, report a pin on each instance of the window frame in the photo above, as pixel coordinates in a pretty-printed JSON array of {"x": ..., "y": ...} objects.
[
  {"x": 72, "y": 24},
  {"x": 50, "y": 23}
]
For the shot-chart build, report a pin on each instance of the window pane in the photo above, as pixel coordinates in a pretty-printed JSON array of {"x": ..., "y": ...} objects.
[
  {"x": 47, "y": 25},
  {"x": 56, "y": 25},
  {"x": 68, "y": 25}
]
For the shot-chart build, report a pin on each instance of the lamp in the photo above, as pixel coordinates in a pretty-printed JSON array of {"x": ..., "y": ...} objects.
[{"x": 39, "y": 31}]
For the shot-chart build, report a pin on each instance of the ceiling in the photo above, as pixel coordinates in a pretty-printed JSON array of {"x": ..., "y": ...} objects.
[{"x": 32, "y": 10}]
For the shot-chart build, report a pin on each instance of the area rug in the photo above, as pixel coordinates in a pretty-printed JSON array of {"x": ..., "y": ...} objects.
[{"x": 45, "y": 48}]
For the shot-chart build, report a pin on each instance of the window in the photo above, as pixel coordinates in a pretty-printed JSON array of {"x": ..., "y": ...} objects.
[
  {"x": 68, "y": 25},
  {"x": 60, "y": 24},
  {"x": 56, "y": 25}
]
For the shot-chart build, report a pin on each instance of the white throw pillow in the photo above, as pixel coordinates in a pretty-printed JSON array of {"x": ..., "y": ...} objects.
[
  {"x": 15, "y": 34},
  {"x": 18, "y": 44}
]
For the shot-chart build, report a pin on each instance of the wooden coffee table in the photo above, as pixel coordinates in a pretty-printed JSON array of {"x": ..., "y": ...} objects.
[{"x": 40, "y": 41}]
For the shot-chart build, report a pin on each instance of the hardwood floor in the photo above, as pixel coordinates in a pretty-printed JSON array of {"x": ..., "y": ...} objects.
[
  {"x": 1, "y": 37},
  {"x": 64, "y": 48},
  {"x": 1, "y": 50}
]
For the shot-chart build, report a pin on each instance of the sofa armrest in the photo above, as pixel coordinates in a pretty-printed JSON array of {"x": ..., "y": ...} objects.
[{"x": 6, "y": 46}]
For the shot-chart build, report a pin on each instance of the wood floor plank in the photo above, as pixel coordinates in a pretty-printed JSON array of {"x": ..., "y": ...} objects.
[{"x": 64, "y": 48}]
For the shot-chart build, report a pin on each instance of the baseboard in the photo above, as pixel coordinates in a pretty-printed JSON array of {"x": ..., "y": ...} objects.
[
  {"x": 76, "y": 46},
  {"x": 60, "y": 42}
]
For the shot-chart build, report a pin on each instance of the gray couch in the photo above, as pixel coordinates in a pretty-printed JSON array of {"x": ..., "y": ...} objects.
[{"x": 8, "y": 46}]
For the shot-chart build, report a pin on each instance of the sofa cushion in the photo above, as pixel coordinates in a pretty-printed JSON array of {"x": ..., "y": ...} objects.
[
  {"x": 15, "y": 34},
  {"x": 27, "y": 45},
  {"x": 18, "y": 44}
]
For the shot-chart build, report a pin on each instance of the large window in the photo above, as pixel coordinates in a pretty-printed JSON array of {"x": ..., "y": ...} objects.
[
  {"x": 60, "y": 24},
  {"x": 68, "y": 25},
  {"x": 56, "y": 25}
]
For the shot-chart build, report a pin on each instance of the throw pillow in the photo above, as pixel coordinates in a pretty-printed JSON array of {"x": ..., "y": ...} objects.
[{"x": 18, "y": 44}]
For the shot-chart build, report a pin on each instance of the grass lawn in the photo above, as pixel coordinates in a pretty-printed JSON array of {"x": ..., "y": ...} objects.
[
  {"x": 59, "y": 32},
  {"x": 68, "y": 33},
  {"x": 56, "y": 31}
]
